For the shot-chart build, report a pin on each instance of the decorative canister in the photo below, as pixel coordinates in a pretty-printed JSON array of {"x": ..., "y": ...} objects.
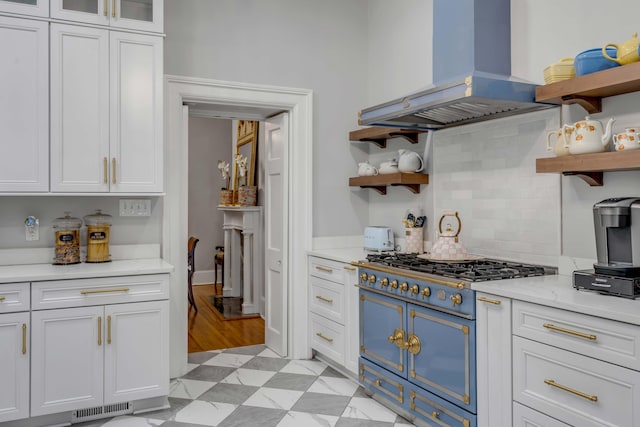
[
  {"x": 414, "y": 240},
  {"x": 98, "y": 230},
  {"x": 226, "y": 197},
  {"x": 67, "y": 232},
  {"x": 247, "y": 195}
]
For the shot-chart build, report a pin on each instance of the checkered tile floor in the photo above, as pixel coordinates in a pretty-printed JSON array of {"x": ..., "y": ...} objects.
[{"x": 252, "y": 386}]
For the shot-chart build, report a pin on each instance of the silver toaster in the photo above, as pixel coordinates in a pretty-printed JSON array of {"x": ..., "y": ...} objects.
[{"x": 378, "y": 238}]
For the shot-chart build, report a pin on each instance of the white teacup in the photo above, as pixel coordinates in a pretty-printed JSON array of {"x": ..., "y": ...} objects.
[{"x": 627, "y": 140}]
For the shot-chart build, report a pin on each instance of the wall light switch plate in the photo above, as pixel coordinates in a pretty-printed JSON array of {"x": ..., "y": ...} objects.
[{"x": 135, "y": 207}]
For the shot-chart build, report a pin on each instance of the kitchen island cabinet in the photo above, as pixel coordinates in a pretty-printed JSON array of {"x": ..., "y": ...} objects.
[{"x": 571, "y": 357}]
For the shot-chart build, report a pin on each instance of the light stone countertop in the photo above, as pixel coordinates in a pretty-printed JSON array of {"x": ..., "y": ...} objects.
[
  {"x": 40, "y": 272},
  {"x": 558, "y": 291},
  {"x": 340, "y": 254}
]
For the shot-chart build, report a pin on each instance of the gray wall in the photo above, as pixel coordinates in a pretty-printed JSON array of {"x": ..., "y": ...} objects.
[
  {"x": 318, "y": 45},
  {"x": 210, "y": 140}
]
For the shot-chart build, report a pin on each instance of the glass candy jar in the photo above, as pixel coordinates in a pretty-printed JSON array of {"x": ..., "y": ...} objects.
[{"x": 67, "y": 235}]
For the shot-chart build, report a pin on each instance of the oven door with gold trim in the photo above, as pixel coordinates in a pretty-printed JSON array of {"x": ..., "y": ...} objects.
[
  {"x": 382, "y": 331},
  {"x": 442, "y": 355}
]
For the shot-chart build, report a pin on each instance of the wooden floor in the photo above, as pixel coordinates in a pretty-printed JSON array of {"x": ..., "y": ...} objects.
[{"x": 209, "y": 331}]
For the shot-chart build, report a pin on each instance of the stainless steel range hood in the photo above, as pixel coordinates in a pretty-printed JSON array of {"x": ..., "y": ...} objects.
[{"x": 471, "y": 71}]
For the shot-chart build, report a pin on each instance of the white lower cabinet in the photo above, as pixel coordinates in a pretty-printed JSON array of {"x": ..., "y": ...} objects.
[
  {"x": 14, "y": 366},
  {"x": 93, "y": 356},
  {"x": 527, "y": 417}
]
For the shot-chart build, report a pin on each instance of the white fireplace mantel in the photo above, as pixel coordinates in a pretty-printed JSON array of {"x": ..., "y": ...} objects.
[{"x": 243, "y": 260}]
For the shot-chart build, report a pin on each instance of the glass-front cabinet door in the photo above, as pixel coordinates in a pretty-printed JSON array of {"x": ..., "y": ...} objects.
[
  {"x": 25, "y": 7},
  {"x": 143, "y": 15}
]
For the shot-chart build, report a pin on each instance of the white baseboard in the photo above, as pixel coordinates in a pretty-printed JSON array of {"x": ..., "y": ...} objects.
[{"x": 206, "y": 277}]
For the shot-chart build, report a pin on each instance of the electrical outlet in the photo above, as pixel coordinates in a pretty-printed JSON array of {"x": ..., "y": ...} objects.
[
  {"x": 32, "y": 228},
  {"x": 135, "y": 207}
]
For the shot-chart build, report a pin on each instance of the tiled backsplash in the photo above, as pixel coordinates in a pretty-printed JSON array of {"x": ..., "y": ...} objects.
[{"x": 486, "y": 172}]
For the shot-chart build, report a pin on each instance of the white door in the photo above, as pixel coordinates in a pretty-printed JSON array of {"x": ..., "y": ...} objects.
[
  {"x": 24, "y": 105},
  {"x": 14, "y": 366},
  {"x": 79, "y": 109},
  {"x": 66, "y": 359},
  {"x": 276, "y": 225},
  {"x": 136, "y": 358}
]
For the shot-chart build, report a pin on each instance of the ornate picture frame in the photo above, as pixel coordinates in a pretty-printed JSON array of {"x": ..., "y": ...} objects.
[{"x": 246, "y": 145}]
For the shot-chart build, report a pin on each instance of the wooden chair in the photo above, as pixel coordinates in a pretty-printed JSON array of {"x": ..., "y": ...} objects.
[
  {"x": 191, "y": 268},
  {"x": 218, "y": 259}
]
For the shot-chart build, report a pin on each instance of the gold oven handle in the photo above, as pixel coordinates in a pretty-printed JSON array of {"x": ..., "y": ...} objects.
[
  {"x": 570, "y": 332},
  {"x": 103, "y": 291},
  {"x": 590, "y": 397}
]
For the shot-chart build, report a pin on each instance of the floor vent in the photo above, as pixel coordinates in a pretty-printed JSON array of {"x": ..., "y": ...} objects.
[{"x": 101, "y": 412}]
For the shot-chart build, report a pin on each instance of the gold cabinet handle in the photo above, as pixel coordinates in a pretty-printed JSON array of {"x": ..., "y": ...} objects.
[
  {"x": 378, "y": 382},
  {"x": 325, "y": 269},
  {"x": 113, "y": 8},
  {"x": 2, "y": 298},
  {"x": 106, "y": 12},
  {"x": 435, "y": 414},
  {"x": 397, "y": 337},
  {"x": 103, "y": 291},
  {"x": 105, "y": 163},
  {"x": 348, "y": 268},
  {"x": 330, "y": 301},
  {"x": 490, "y": 301},
  {"x": 323, "y": 337},
  {"x": 108, "y": 329},
  {"x": 99, "y": 330},
  {"x": 570, "y": 390},
  {"x": 113, "y": 169},
  {"x": 412, "y": 345},
  {"x": 24, "y": 338},
  {"x": 570, "y": 332}
]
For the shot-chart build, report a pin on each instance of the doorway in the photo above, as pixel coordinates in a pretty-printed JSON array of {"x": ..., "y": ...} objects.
[{"x": 230, "y": 98}]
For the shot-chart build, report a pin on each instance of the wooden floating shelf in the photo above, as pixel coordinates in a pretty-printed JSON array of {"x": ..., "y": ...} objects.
[
  {"x": 379, "y": 135},
  {"x": 412, "y": 181},
  {"x": 588, "y": 90},
  {"x": 590, "y": 167}
]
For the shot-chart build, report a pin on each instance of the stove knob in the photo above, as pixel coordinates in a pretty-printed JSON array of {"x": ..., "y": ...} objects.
[
  {"x": 384, "y": 282},
  {"x": 415, "y": 289},
  {"x": 394, "y": 284},
  {"x": 363, "y": 277},
  {"x": 404, "y": 286},
  {"x": 456, "y": 299},
  {"x": 426, "y": 292},
  {"x": 372, "y": 279}
]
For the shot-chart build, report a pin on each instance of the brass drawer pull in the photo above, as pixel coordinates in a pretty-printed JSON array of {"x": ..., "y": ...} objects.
[
  {"x": 330, "y": 301},
  {"x": 490, "y": 301},
  {"x": 2, "y": 298},
  {"x": 113, "y": 169},
  {"x": 346, "y": 267},
  {"x": 108, "y": 329},
  {"x": 570, "y": 332},
  {"x": 570, "y": 390},
  {"x": 24, "y": 338},
  {"x": 103, "y": 291},
  {"x": 323, "y": 337},
  {"x": 325, "y": 269},
  {"x": 105, "y": 161},
  {"x": 99, "y": 330}
]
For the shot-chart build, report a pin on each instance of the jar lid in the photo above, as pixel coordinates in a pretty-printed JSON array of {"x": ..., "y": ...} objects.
[
  {"x": 98, "y": 218},
  {"x": 67, "y": 222}
]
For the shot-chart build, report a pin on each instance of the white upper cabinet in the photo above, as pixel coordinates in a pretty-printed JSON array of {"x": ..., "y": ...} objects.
[
  {"x": 26, "y": 7},
  {"x": 24, "y": 105},
  {"x": 106, "y": 111},
  {"x": 143, "y": 15}
]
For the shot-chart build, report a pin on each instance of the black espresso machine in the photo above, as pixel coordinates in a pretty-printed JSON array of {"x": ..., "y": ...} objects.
[{"x": 617, "y": 229}]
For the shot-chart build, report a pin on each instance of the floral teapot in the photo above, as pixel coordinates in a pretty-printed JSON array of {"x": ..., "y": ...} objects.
[
  {"x": 587, "y": 136},
  {"x": 409, "y": 161}
]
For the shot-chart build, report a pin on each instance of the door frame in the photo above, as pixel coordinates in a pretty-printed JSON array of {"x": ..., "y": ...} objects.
[{"x": 299, "y": 104}]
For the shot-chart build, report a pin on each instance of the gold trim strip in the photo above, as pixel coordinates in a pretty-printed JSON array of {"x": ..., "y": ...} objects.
[
  {"x": 108, "y": 329},
  {"x": 325, "y": 269},
  {"x": 24, "y": 338},
  {"x": 404, "y": 273},
  {"x": 324, "y": 338},
  {"x": 99, "y": 330},
  {"x": 570, "y": 332},
  {"x": 330, "y": 301},
  {"x": 590, "y": 397},
  {"x": 103, "y": 291},
  {"x": 490, "y": 301}
]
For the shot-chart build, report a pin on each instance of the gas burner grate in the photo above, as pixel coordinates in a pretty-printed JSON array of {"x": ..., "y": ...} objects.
[{"x": 473, "y": 271}]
